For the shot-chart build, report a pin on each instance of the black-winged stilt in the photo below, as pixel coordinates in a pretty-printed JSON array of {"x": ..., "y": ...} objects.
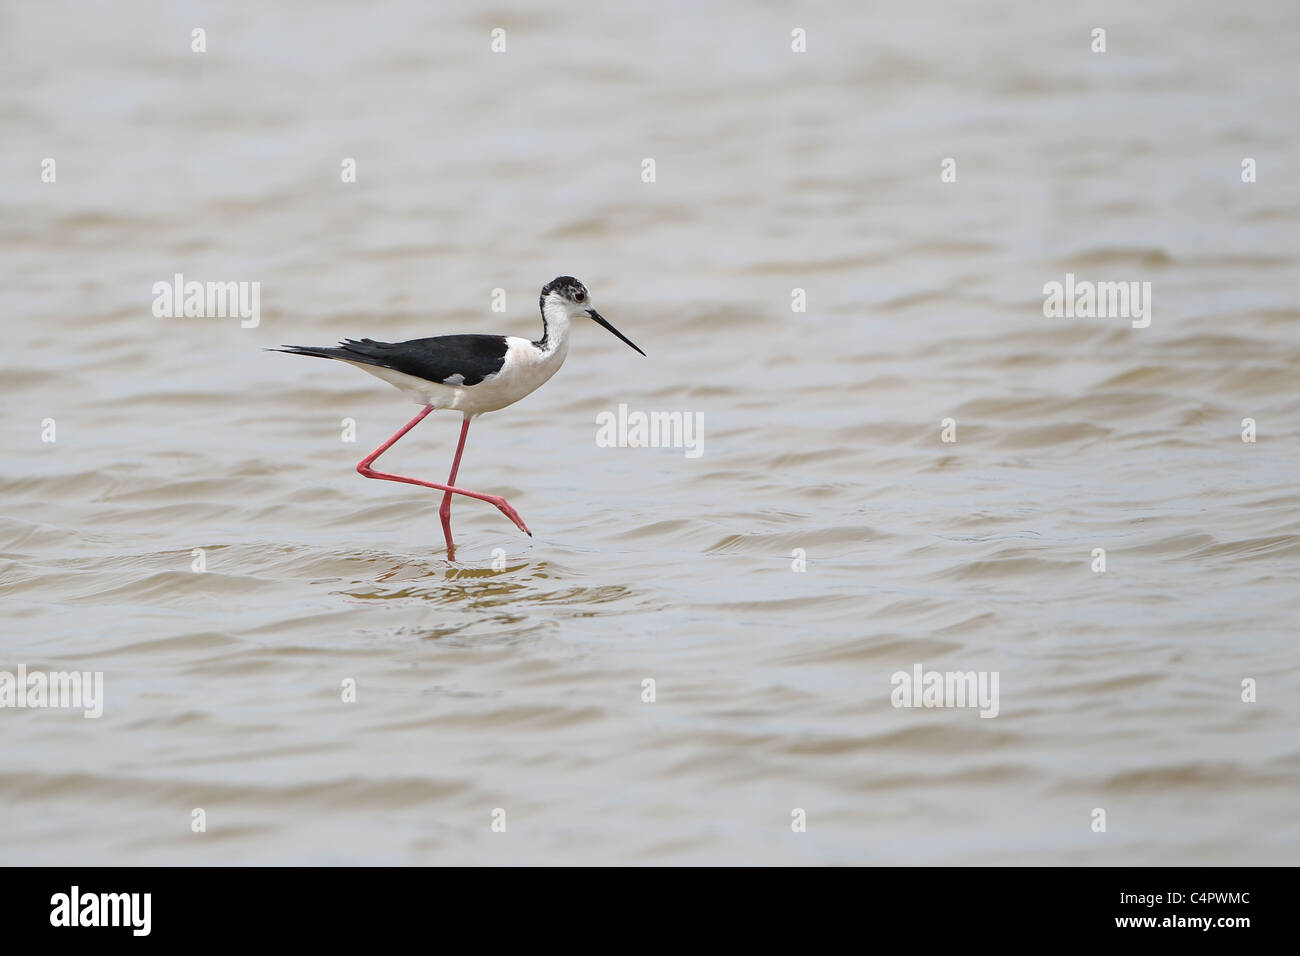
[{"x": 471, "y": 374}]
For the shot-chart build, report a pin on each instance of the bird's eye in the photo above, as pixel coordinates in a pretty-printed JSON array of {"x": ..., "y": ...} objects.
[{"x": 580, "y": 297}]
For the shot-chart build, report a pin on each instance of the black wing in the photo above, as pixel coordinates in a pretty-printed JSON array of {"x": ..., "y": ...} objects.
[{"x": 437, "y": 359}]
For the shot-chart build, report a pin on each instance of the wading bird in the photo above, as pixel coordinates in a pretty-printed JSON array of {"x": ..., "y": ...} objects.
[{"x": 471, "y": 374}]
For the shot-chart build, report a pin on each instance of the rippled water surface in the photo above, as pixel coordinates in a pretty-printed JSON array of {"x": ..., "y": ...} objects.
[{"x": 513, "y": 678}]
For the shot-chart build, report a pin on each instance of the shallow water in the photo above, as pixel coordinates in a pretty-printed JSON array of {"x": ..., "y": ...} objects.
[{"x": 520, "y": 687}]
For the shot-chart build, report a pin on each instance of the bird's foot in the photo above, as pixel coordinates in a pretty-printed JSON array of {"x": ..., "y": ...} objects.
[{"x": 504, "y": 507}]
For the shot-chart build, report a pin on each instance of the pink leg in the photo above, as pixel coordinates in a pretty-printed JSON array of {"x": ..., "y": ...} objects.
[
  {"x": 363, "y": 467},
  {"x": 445, "y": 511}
]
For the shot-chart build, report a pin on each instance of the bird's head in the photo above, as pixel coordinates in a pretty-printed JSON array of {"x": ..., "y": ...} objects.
[{"x": 569, "y": 297}]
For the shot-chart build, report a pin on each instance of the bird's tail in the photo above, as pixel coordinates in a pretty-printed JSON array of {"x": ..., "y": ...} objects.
[{"x": 318, "y": 351}]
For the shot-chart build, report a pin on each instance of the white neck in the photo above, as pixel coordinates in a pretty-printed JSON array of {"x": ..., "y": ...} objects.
[{"x": 555, "y": 327}]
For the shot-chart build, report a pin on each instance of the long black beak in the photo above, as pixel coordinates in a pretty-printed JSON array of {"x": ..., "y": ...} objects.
[{"x": 600, "y": 320}]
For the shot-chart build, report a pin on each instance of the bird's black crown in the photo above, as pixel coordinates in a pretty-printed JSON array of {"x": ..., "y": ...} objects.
[{"x": 568, "y": 287}]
